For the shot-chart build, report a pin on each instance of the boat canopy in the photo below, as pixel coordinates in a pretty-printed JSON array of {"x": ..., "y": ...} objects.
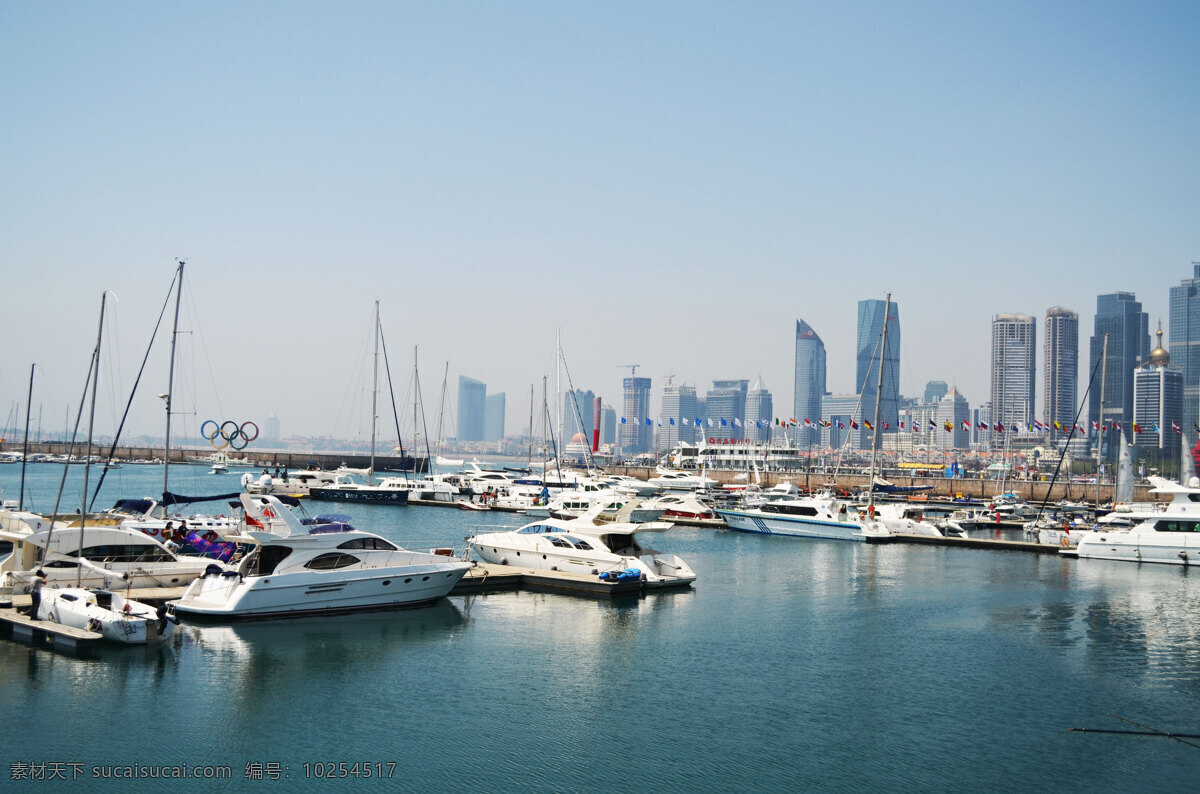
[
  {"x": 140, "y": 506},
  {"x": 180, "y": 499}
]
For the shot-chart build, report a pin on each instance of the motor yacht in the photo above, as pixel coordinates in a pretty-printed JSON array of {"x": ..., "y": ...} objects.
[
  {"x": 581, "y": 546},
  {"x": 112, "y": 615},
  {"x": 320, "y": 568},
  {"x": 390, "y": 491},
  {"x": 819, "y": 516},
  {"x": 1166, "y": 533}
]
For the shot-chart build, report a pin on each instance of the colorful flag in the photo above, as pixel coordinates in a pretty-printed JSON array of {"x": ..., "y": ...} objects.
[
  {"x": 840, "y": 425},
  {"x": 999, "y": 427},
  {"x": 867, "y": 425},
  {"x": 672, "y": 421},
  {"x": 853, "y": 425},
  {"x": 648, "y": 421},
  {"x": 983, "y": 425},
  {"x": 723, "y": 422},
  {"x": 1137, "y": 428},
  {"x": 622, "y": 420},
  {"x": 737, "y": 422},
  {"x": 949, "y": 427},
  {"x": 966, "y": 425},
  {"x": 1175, "y": 427}
]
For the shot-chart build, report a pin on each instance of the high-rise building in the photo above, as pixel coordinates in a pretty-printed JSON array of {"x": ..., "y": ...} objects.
[
  {"x": 725, "y": 405},
  {"x": 759, "y": 412},
  {"x": 1061, "y": 360},
  {"x": 572, "y": 401},
  {"x": 839, "y": 409},
  {"x": 637, "y": 435},
  {"x": 493, "y": 420},
  {"x": 1185, "y": 341},
  {"x": 1158, "y": 404},
  {"x": 271, "y": 429},
  {"x": 867, "y": 369},
  {"x": 678, "y": 416},
  {"x": 809, "y": 385},
  {"x": 1014, "y": 338},
  {"x": 953, "y": 408},
  {"x": 608, "y": 425},
  {"x": 472, "y": 395},
  {"x": 1120, "y": 317},
  {"x": 935, "y": 390}
]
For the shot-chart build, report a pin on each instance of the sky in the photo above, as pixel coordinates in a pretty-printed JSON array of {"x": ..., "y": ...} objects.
[{"x": 670, "y": 184}]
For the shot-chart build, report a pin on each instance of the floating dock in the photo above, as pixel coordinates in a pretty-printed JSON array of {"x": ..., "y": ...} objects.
[{"x": 23, "y": 628}]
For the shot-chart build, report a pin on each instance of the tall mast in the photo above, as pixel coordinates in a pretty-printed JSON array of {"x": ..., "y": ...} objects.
[
  {"x": 87, "y": 461},
  {"x": 171, "y": 384},
  {"x": 25, "y": 443},
  {"x": 1100, "y": 431},
  {"x": 887, "y": 310},
  {"x": 374, "y": 396}
]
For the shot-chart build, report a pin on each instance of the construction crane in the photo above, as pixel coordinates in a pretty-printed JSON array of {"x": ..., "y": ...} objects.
[{"x": 632, "y": 369}]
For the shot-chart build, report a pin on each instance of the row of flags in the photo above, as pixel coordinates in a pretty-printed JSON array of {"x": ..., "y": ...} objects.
[{"x": 998, "y": 427}]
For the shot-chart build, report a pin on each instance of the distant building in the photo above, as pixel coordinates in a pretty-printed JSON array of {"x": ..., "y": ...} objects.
[
  {"x": 271, "y": 428},
  {"x": 678, "y": 416},
  {"x": 1158, "y": 404},
  {"x": 935, "y": 390},
  {"x": 725, "y": 406},
  {"x": 1061, "y": 360},
  {"x": 493, "y": 422},
  {"x": 577, "y": 400},
  {"x": 1119, "y": 316},
  {"x": 608, "y": 425},
  {"x": 472, "y": 396},
  {"x": 981, "y": 418},
  {"x": 1014, "y": 338},
  {"x": 759, "y": 412},
  {"x": 953, "y": 408},
  {"x": 839, "y": 409},
  {"x": 1185, "y": 341},
  {"x": 809, "y": 386},
  {"x": 637, "y": 435},
  {"x": 867, "y": 369}
]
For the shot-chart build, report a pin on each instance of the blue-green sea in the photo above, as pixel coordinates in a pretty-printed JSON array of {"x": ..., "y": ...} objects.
[{"x": 791, "y": 665}]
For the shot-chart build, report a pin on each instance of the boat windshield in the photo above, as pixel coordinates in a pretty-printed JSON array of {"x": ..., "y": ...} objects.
[{"x": 539, "y": 529}]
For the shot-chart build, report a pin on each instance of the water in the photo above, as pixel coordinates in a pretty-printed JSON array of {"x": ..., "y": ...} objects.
[{"x": 791, "y": 665}]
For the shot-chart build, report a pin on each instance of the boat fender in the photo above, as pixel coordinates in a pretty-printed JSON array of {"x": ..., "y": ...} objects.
[
  {"x": 1065, "y": 542},
  {"x": 94, "y": 624},
  {"x": 504, "y": 560}
]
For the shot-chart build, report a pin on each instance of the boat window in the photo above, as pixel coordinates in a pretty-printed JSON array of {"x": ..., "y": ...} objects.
[
  {"x": 331, "y": 561},
  {"x": 1176, "y": 526},
  {"x": 126, "y": 553},
  {"x": 579, "y": 544},
  {"x": 269, "y": 557},
  {"x": 791, "y": 510},
  {"x": 560, "y": 542},
  {"x": 378, "y": 544},
  {"x": 536, "y": 529}
]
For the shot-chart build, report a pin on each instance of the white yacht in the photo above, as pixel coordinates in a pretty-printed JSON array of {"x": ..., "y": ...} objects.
[
  {"x": 581, "y": 546},
  {"x": 572, "y": 504},
  {"x": 292, "y": 483},
  {"x": 1164, "y": 532},
  {"x": 115, "y": 617},
  {"x": 316, "y": 569},
  {"x": 818, "y": 516},
  {"x": 668, "y": 479},
  {"x": 685, "y": 508},
  {"x": 345, "y": 489}
]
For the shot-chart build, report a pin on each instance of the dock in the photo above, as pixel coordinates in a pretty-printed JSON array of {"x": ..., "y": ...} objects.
[
  {"x": 972, "y": 543},
  {"x": 23, "y": 628}
]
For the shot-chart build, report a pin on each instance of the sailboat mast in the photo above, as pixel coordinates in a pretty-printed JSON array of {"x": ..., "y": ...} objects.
[
  {"x": 374, "y": 396},
  {"x": 171, "y": 383},
  {"x": 1100, "y": 431},
  {"x": 887, "y": 310},
  {"x": 87, "y": 461},
  {"x": 25, "y": 443}
]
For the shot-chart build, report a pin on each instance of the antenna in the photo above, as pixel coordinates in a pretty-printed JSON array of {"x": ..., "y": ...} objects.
[{"x": 632, "y": 369}]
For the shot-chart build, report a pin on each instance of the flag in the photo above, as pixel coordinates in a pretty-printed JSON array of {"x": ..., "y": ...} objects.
[
  {"x": 622, "y": 420},
  {"x": 710, "y": 421},
  {"x": 672, "y": 421},
  {"x": 853, "y": 424},
  {"x": 901, "y": 425},
  {"x": 1137, "y": 428},
  {"x": 737, "y": 422},
  {"x": 966, "y": 425},
  {"x": 1118, "y": 424},
  {"x": 659, "y": 422},
  {"x": 1057, "y": 424},
  {"x": 724, "y": 423},
  {"x": 1156, "y": 427},
  {"x": 915, "y": 428},
  {"x": 1096, "y": 426},
  {"x": 949, "y": 427},
  {"x": 867, "y": 425},
  {"x": 887, "y": 426},
  {"x": 648, "y": 422},
  {"x": 983, "y": 425},
  {"x": 840, "y": 425},
  {"x": 999, "y": 427},
  {"x": 807, "y": 423},
  {"x": 1175, "y": 427},
  {"x": 932, "y": 426}
]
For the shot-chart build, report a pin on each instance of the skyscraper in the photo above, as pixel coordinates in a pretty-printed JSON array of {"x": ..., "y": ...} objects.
[
  {"x": 1158, "y": 398},
  {"x": 636, "y": 435},
  {"x": 678, "y": 403},
  {"x": 1185, "y": 341},
  {"x": 493, "y": 422},
  {"x": 809, "y": 385},
  {"x": 570, "y": 420},
  {"x": 1120, "y": 316},
  {"x": 725, "y": 405},
  {"x": 472, "y": 395},
  {"x": 759, "y": 412},
  {"x": 953, "y": 408},
  {"x": 1014, "y": 337},
  {"x": 935, "y": 390},
  {"x": 870, "y": 331},
  {"x": 1061, "y": 360}
]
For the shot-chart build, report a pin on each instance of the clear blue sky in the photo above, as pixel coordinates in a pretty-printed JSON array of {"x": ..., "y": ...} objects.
[{"x": 671, "y": 184}]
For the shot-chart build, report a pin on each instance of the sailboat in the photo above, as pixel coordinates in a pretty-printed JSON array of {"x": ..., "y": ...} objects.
[{"x": 392, "y": 490}]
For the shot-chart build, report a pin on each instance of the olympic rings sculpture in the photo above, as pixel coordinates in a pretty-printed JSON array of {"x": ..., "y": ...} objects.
[{"x": 229, "y": 432}]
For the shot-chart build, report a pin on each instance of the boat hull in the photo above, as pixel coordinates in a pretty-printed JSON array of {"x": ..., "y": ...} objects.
[
  {"x": 389, "y": 497},
  {"x": 1140, "y": 547},
  {"x": 793, "y": 527}
]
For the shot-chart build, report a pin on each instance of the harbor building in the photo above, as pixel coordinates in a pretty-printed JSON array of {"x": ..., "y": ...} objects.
[
  {"x": 725, "y": 405},
  {"x": 678, "y": 405},
  {"x": 1120, "y": 316},
  {"x": 867, "y": 370},
  {"x": 637, "y": 436},
  {"x": 1014, "y": 338},
  {"x": 493, "y": 420},
  {"x": 809, "y": 385},
  {"x": 1158, "y": 406},
  {"x": 1185, "y": 341},
  {"x": 472, "y": 397},
  {"x": 1061, "y": 361},
  {"x": 760, "y": 411}
]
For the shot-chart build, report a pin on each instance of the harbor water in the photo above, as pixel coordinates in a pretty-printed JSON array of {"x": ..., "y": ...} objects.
[{"x": 790, "y": 665}]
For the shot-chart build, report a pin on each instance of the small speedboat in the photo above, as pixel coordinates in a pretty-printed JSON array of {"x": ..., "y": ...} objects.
[
  {"x": 463, "y": 504},
  {"x": 117, "y": 618}
]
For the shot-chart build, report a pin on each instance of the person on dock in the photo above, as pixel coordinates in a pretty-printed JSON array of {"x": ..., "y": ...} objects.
[{"x": 35, "y": 593}]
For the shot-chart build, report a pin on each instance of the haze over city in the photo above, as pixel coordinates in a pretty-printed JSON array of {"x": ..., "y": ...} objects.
[{"x": 670, "y": 185}]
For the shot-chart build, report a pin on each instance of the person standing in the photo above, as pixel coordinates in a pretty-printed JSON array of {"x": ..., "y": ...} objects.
[{"x": 35, "y": 593}]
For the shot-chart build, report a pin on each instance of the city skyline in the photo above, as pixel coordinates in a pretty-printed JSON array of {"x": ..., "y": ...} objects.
[{"x": 671, "y": 185}]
